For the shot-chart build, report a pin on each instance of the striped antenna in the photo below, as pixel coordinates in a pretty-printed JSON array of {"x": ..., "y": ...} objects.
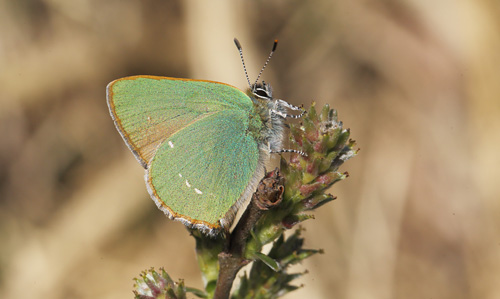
[
  {"x": 267, "y": 61},
  {"x": 240, "y": 50}
]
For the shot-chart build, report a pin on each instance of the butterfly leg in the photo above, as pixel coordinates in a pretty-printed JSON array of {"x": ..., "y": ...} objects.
[
  {"x": 271, "y": 151},
  {"x": 288, "y": 151},
  {"x": 285, "y": 104}
]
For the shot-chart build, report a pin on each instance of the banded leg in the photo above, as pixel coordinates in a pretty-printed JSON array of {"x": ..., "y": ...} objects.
[
  {"x": 289, "y": 106},
  {"x": 288, "y": 151}
]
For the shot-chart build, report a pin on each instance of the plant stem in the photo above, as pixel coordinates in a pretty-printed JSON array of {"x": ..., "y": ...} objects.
[{"x": 231, "y": 259}]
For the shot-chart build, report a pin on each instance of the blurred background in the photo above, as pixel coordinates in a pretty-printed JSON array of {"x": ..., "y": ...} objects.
[{"x": 416, "y": 81}]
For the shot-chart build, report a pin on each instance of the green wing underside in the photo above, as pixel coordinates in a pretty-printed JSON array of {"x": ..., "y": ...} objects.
[
  {"x": 200, "y": 172},
  {"x": 192, "y": 136},
  {"x": 148, "y": 109}
]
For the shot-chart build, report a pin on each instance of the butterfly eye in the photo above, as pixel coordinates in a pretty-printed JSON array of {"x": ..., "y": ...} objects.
[{"x": 262, "y": 91}]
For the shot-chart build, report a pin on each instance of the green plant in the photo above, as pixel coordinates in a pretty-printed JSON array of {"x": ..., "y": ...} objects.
[{"x": 284, "y": 198}]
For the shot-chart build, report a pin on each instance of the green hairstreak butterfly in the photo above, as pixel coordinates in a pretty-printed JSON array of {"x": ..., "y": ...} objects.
[{"x": 203, "y": 143}]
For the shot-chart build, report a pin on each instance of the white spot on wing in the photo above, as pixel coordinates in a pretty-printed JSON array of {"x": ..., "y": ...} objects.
[
  {"x": 171, "y": 144},
  {"x": 187, "y": 184},
  {"x": 197, "y": 191}
]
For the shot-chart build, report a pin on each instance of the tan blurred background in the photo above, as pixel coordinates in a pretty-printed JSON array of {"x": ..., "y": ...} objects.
[{"x": 416, "y": 81}]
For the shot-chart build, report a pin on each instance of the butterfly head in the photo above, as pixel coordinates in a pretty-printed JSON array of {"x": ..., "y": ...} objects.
[{"x": 262, "y": 90}]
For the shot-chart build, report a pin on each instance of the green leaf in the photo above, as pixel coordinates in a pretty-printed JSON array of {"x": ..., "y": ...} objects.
[{"x": 271, "y": 263}]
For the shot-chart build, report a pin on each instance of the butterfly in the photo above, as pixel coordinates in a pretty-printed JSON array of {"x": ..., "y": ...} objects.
[{"x": 202, "y": 143}]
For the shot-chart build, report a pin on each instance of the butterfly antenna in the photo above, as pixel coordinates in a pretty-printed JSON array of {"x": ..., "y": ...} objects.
[
  {"x": 267, "y": 61},
  {"x": 240, "y": 49}
]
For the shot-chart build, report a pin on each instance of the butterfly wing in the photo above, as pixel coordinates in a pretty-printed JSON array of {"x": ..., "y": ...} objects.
[
  {"x": 202, "y": 173},
  {"x": 148, "y": 109},
  {"x": 193, "y": 139}
]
